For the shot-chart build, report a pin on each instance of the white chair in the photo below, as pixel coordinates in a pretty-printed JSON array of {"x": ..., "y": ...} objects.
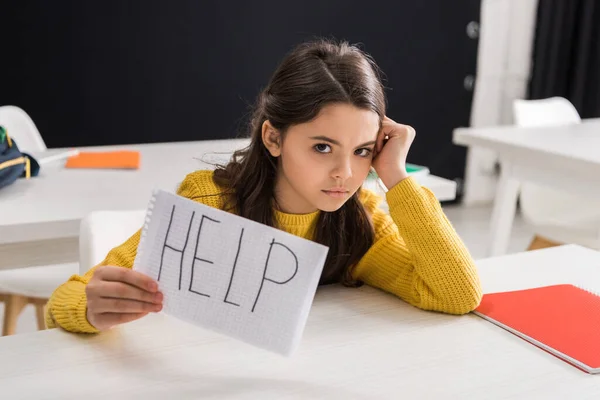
[
  {"x": 21, "y": 128},
  {"x": 556, "y": 216},
  {"x": 100, "y": 231},
  {"x": 27, "y": 285},
  {"x": 33, "y": 285}
]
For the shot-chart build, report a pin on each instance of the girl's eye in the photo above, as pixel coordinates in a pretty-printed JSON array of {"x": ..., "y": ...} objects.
[
  {"x": 363, "y": 152},
  {"x": 322, "y": 148}
]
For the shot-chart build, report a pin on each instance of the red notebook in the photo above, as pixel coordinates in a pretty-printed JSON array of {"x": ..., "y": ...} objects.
[{"x": 562, "y": 319}]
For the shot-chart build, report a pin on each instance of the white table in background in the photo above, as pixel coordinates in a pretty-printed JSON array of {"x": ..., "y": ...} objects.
[
  {"x": 563, "y": 157},
  {"x": 358, "y": 344},
  {"x": 52, "y": 205}
]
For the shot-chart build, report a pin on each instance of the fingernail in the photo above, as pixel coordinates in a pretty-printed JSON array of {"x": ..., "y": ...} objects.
[
  {"x": 158, "y": 307},
  {"x": 152, "y": 286},
  {"x": 158, "y": 296}
]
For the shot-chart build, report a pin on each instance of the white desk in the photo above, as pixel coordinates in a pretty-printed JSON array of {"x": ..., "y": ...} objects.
[
  {"x": 52, "y": 205},
  {"x": 564, "y": 157},
  {"x": 358, "y": 344}
]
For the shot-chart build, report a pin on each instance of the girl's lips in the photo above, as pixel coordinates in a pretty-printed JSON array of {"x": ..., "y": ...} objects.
[{"x": 336, "y": 193}]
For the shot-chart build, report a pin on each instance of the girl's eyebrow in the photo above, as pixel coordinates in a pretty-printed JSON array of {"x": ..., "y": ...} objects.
[
  {"x": 326, "y": 139},
  {"x": 333, "y": 141}
]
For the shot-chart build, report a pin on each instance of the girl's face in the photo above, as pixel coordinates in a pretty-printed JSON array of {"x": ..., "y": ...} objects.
[{"x": 322, "y": 163}]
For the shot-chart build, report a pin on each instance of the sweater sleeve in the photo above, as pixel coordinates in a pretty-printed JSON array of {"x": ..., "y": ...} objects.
[
  {"x": 417, "y": 255},
  {"x": 67, "y": 307}
]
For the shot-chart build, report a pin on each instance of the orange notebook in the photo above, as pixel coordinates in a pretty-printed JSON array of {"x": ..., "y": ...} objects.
[
  {"x": 562, "y": 319},
  {"x": 110, "y": 159}
]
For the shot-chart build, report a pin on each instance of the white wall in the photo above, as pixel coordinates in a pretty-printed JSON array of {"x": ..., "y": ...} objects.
[{"x": 503, "y": 68}]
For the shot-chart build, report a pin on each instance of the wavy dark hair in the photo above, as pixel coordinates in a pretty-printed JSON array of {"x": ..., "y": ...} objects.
[{"x": 311, "y": 76}]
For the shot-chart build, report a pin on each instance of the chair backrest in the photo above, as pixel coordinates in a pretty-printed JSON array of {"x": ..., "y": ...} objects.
[
  {"x": 542, "y": 206},
  {"x": 100, "y": 231},
  {"x": 21, "y": 128},
  {"x": 550, "y": 111}
]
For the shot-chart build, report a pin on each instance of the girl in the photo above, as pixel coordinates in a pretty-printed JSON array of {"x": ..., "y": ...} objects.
[{"x": 318, "y": 128}]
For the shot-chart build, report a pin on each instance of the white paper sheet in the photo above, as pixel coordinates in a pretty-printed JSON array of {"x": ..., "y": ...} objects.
[{"x": 229, "y": 274}]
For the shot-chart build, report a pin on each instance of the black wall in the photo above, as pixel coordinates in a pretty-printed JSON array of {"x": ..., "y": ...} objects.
[
  {"x": 116, "y": 72},
  {"x": 566, "y": 54}
]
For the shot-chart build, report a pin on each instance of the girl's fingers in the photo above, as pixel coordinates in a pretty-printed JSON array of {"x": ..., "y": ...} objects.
[
  {"x": 134, "y": 278},
  {"x": 380, "y": 139},
  {"x": 125, "y": 306},
  {"x": 387, "y": 127},
  {"x": 120, "y": 290}
]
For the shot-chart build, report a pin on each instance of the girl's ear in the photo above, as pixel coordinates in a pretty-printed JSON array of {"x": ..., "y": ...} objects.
[{"x": 271, "y": 139}]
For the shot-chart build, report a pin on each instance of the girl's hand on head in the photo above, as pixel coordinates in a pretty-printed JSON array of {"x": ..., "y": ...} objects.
[
  {"x": 116, "y": 295},
  {"x": 393, "y": 142}
]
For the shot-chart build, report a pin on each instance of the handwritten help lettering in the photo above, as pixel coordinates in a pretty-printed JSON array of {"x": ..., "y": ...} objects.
[
  {"x": 229, "y": 274},
  {"x": 196, "y": 259}
]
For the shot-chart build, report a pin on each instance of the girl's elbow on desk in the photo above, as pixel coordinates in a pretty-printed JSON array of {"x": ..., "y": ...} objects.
[
  {"x": 457, "y": 298},
  {"x": 453, "y": 306},
  {"x": 464, "y": 299}
]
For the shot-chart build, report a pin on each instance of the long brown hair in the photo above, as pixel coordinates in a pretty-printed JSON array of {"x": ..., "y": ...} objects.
[{"x": 311, "y": 76}]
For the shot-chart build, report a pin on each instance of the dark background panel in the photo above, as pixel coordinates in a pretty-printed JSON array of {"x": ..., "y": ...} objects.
[
  {"x": 118, "y": 72},
  {"x": 566, "y": 55}
]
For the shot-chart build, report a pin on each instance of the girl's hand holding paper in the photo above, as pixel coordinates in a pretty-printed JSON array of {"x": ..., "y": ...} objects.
[{"x": 117, "y": 295}]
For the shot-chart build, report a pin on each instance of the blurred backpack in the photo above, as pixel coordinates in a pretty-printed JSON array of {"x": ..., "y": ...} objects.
[{"x": 13, "y": 163}]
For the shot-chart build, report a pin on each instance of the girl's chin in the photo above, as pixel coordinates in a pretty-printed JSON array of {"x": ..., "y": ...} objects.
[{"x": 332, "y": 204}]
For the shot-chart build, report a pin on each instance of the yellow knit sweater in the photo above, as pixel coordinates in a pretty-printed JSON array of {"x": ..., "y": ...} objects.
[{"x": 416, "y": 254}]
